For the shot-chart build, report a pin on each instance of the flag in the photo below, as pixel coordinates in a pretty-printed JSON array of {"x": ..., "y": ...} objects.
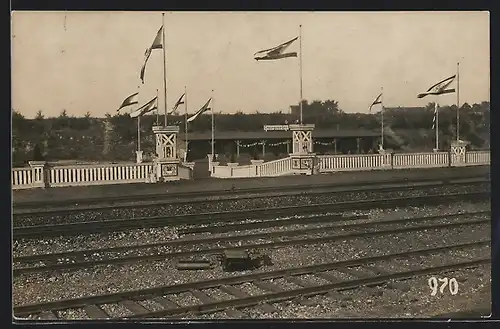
[
  {"x": 130, "y": 100},
  {"x": 157, "y": 44},
  {"x": 377, "y": 100},
  {"x": 439, "y": 88},
  {"x": 179, "y": 102},
  {"x": 276, "y": 52},
  {"x": 146, "y": 108},
  {"x": 435, "y": 116},
  {"x": 200, "y": 111}
]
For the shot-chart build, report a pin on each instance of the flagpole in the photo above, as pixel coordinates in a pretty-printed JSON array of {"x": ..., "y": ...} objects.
[
  {"x": 300, "y": 68},
  {"x": 139, "y": 133},
  {"x": 138, "y": 121},
  {"x": 436, "y": 110},
  {"x": 382, "y": 114},
  {"x": 186, "y": 123},
  {"x": 157, "y": 110},
  {"x": 213, "y": 126},
  {"x": 164, "y": 67},
  {"x": 458, "y": 101}
]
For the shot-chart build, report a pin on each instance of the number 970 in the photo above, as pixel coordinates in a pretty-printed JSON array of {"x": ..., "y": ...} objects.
[{"x": 443, "y": 282}]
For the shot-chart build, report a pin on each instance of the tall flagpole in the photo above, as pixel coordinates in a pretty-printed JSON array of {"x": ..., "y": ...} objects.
[
  {"x": 300, "y": 68},
  {"x": 138, "y": 121},
  {"x": 157, "y": 110},
  {"x": 164, "y": 67},
  {"x": 458, "y": 101},
  {"x": 185, "y": 121},
  {"x": 139, "y": 133},
  {"x": 213, "y": 125},
  {"x": 436, "y": 111},
  {"x": 382, "y": 114}
]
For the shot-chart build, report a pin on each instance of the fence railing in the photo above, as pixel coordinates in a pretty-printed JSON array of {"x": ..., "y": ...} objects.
[
  {"x": 420, "y": 160},
  {"x": 328, "y": 163},
  {"x": 41, "y": 175},
  {"x": 477, "y": 158},
  {"x": 99, "y": 174},
  {"x": 276, "y": 167}
]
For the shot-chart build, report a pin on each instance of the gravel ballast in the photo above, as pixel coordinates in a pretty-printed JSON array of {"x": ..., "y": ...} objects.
[
  {"x": 228, "y": 205},
  {"x": 157, "y": 235},
  {"x": 108, "y": 279}
]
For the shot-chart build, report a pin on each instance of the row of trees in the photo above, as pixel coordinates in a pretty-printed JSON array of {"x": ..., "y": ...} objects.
[{"x": 115, "y": 137}]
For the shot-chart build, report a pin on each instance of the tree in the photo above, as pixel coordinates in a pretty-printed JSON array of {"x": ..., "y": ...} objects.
[
  {"x": 39, "y": 116},
  {"x": 37, "y": 153}
]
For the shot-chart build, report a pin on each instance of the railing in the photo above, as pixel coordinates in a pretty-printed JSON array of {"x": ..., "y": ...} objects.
[
  {"x": 477, "y": 158},
  {"x": 22, "y": 178},
  {"x": 421, "y": 160},
  {"x": 275, "y": 168},
  {"x": 99, "y": 174},
  {"x": 329, "y": 163}
]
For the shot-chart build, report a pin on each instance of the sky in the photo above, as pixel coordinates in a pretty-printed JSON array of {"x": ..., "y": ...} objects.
[{"x": 90, "y": 61}]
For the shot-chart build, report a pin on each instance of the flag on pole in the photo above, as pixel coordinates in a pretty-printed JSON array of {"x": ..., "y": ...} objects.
[
  {"x": 439, "y": 88},
  {"x": 180, "y": 101},
  {"x": 200, "y": 111},
  {"x": 276, "y": 52},
  {"x": 146, "y": 108},
  {"x": 377, "y": 100},
  {"x": 157, "y": 44},
  {"x": 130, "y": 100},
  {"x": 435, "y": 116}
]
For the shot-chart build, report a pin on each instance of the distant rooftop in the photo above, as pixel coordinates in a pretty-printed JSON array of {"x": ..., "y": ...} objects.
[{"x": 256, "y": 135}]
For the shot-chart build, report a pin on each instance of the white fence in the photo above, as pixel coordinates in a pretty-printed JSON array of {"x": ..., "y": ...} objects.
[
  {"x": 40, "y": 175},
  {"x": 100, "y": 174},
  {"x": 329, "y": 163},
  {"x": 275, "y": 168},
  {"x": 421, "y": 160},
  {"x": 358, "y": 162},
  {"x": 477, "y": 158}
]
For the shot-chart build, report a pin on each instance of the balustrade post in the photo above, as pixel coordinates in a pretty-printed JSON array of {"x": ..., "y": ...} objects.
[{"x": 38, "y": 174}]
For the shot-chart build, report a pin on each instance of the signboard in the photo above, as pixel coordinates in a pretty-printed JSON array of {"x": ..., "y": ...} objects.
[{"x": 276, "y": 128}]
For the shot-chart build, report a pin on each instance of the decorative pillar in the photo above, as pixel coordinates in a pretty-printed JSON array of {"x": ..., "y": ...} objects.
[
  {"x": 167, "y": 162},
  {"x": 263, "y": 142},
  {"x": 302, "y": 149},
  {"x": 40, "y": 178},
  {"x": 457, "y": 153}
]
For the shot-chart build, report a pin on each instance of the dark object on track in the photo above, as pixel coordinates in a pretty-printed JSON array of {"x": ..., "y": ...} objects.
[
  {"x": 236, "y": 260},
  {"x": 193, "y": 265}
]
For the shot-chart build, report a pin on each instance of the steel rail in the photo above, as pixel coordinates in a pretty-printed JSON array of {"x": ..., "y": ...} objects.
[
  {"x": 201, "y": 197},
  {"x": 37, "y": 231},
  {"x": 218, "y": 250},
  {"x": 23, "y": 310}
]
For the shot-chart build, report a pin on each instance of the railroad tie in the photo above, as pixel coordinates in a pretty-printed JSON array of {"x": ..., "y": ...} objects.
[
  {"x": 302, "y": 283},
  {"x": 391, "y": 285},
  {"x": 275, "y": 288},
  {"x": 134, "y": 307},
  {"x": 166, "y": 303},
  {"x": 266, "y": 308},
  {"x": 95, "y": 312},
  {"x": 206, "y": 299},
  {"x": 48, "y": 315},
  {"x": 334, "y": 295}
]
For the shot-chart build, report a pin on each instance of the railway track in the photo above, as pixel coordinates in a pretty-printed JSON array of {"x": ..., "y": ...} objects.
[
  {"x": 39, "y": 231},
  {"x": 361, "y": 272},
  {"x": 72, "y": 206},
  {"x": 211, "y": 245}
]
